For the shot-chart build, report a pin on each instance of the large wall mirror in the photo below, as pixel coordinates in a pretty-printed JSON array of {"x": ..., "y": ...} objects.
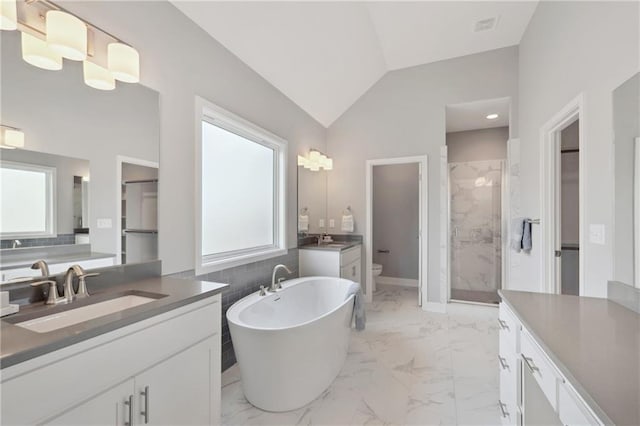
[
  {"x": 626, "y": 128},
  {"x": 312, "y": 201},
  {"x": 88, "y": 171}
]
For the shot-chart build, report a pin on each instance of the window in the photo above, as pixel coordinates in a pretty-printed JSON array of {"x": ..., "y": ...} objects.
[
  {"x": 27, "y": 202},
  {"x": 240, "y": 181}
]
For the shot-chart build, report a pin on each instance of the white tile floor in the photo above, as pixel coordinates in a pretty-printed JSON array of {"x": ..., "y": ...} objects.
[{"x": 407, "y": 367}]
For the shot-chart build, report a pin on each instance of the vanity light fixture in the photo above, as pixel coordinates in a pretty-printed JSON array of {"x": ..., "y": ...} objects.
[
  {"x": 315, "y": 161},
  {"x": 8, "y": 15},
  {"x": 492, "y": 116},
  {"x": 98, "y": 77},
  {"x": 11, "y": 137},
  {"x": 67, "y": 35},
  {"x": 37, "y": 53}
]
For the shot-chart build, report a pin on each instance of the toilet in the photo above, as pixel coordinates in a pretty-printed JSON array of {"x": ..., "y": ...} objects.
[{"x": 376, "y": 270}]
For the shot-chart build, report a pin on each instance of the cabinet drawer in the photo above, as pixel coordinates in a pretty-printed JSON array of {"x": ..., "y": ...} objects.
[
  {"x": 534, "y": 359},
  {"x": 350, "y": 255},
  {"x": 571, "y": 410}
]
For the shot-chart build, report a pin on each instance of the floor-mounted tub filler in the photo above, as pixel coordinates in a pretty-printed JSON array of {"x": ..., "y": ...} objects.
[{"x": 290, "y": 345}]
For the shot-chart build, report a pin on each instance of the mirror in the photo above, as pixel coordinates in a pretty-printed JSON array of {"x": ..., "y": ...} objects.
[
  {"x": 85, "y": 137},
  {"x": 626, "y": 128},
  {"x": 312, "y": 202}
]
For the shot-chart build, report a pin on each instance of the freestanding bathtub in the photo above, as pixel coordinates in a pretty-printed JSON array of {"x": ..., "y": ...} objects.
[{"x": 290, "y": 345}]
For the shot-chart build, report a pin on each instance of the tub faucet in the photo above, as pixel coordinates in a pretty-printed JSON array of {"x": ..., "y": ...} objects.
[{"x": 276, "y": 285}]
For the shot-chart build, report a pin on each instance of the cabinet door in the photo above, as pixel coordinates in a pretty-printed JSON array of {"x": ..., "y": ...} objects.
[
  {"x": 107, "y": 408},
  {"x": 181, "y": 390},
  {"x": 351, "y": 271}
]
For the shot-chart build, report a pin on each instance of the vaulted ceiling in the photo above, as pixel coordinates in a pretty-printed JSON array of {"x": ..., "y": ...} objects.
[{"x": 325, "y": 55}]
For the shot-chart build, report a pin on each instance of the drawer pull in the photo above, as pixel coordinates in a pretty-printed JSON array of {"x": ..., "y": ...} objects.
[
  {"x": 129, "y": 403},
  {"x": 530, "y": 364},
  {"x": 503, "y": 409},
  {"x": 503, "y": 324},
  {"x": 145, "y": 412},
  {"x": 503, "y": 363}
]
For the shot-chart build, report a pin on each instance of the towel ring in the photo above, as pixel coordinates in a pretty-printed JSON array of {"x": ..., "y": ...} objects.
[
  {"x": 347, "y": 211},
  {"x": 304, "y": 210}
]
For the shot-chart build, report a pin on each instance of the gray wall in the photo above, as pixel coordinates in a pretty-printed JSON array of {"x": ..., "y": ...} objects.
[
  {"x": 404, "y": 114},
  {"x": 61, "y": 115},
  {"x": 66, "y": 169},
  {"x": 180, "y": 61},
  {"x": 626, "y": 127},
  {"x": 568, "y": 49},
  {"x": 396, "y": 219},
  {"x": 477, "y": 145}
]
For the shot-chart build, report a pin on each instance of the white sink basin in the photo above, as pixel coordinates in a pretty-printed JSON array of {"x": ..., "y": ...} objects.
[{"x": 84, "y": 313}]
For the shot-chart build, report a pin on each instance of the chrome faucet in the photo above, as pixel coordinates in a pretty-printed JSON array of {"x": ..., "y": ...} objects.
[
  {"x": 276, "y": 285},
  {"x": 76, "y": 270},
  {"x": 42, "y": 266},
  {"x": 16, "y": 244}
]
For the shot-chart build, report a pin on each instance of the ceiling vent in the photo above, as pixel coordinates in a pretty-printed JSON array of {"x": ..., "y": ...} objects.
[{"x": 487, "y": 24}]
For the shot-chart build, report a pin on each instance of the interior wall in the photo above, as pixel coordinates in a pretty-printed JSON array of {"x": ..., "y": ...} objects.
[
  {"x": 562, "y": 55},
  {"x": 396, "y": 219},
  {"x": 403, "y": 114},
  {"x": 477, "y": 145},
  {"x": 180, "y": 61}
]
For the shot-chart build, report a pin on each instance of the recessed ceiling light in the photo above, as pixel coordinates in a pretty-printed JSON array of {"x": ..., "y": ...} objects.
[{"x": 492, "y": 116}]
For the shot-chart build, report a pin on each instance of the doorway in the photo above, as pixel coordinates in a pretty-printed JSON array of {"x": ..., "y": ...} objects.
[
  {"x": 476, "y": 147},
  {"x": 569, "y": 232},
  {"x": 395, "y": 235}
]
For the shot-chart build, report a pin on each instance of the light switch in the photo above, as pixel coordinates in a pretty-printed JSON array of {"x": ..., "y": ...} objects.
[
  {"x": 332, "y": 223},
  {"x": 596, "y": 233},
  {"x": 321, "y": 223},
  {"x": 105, "y": 223}
]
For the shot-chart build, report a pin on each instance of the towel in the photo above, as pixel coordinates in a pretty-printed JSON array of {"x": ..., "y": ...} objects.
[
  {"x": 303, "y": 223},
  {"x": 347, "y": 223},
  {"x": 517, "y": 226},
  {"x": 527, "y": 244},
  {"x": 358, "y": 307}
]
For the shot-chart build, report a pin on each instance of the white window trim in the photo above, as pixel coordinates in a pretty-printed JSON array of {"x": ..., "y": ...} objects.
[
  {"x": 205, "y": 110},
  {"x": 52, "y": 216}
]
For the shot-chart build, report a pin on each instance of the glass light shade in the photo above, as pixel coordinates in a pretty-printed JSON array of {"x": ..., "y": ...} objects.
[
  {"x": 98, "y": 77},
  {"x": 37, "y": 53},
  {"x": 67, "y": 35},
  {"x": 8, "y": 15},
  {"x": 314, "y": 156},
  {"x": 328, "y": 165},
  {"x": 12, "y": 138},
  {"x": 302, "y": 161},
  {"x": 124, "y": 62}
]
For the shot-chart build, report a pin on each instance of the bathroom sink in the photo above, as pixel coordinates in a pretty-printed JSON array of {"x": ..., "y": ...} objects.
[{"x": 74, "y": 316}]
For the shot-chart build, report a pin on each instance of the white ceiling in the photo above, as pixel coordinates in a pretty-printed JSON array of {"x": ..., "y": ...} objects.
[
  {"x": 473, "y": 115},
  {"x": 325, "y": 55}
]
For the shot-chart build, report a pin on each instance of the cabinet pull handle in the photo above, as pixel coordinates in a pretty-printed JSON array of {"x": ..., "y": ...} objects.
[
  {"x": 530, "y": 364},
  {"x": 503, "y": 324},
  {"x": 503, "y": 363},
  {"x": 503, "y": 409},
  {"x": 145, "y": 412},
  {"x": 129, "y": 403}
]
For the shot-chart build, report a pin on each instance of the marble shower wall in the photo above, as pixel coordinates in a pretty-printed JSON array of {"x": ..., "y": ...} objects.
[{"x": 476, "y": 225}]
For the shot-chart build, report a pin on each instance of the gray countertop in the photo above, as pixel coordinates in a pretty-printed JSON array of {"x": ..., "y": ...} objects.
[
  {"x": 18, "y": 344},
  {"x": 334, "y": 246},
  {"x": 595, "y": 343}
]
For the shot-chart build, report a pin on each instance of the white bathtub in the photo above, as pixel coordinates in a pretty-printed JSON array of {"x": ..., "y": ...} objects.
[{"x": 291, "y": 345}]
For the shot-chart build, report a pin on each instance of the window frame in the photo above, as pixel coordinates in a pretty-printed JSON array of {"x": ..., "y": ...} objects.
[
  {"x": 220, "y": 117},
  {"x": 51, "y": 220}
]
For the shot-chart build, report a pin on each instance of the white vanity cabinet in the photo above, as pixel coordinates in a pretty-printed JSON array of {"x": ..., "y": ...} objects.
[
  {"x": 162, "y": 370},
  {"x": 533, "y": 391},
  {"x": 331, "y": 263}
]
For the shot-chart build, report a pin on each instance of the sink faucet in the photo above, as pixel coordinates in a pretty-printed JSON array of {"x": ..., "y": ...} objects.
[
  {"x": 16, "y": 244},
  {"x": 276, "y": 285},
  {"x": 79, "y": 272},
  {"x": 42, "y": 266}
]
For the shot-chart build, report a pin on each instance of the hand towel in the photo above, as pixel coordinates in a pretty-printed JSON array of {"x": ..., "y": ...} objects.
[
  {"x": 517, "y": 227},
  {"x": 347, "y": 223},
  {"x": 358, "y": 307},
  {"x": 527, "y": 243},
  {"x": 303, "y": 223}
]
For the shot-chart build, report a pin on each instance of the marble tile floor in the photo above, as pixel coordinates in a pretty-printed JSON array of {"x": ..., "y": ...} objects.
[{"x": 409, "y": 367}]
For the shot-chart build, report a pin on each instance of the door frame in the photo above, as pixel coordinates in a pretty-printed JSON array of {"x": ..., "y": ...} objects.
[
  {"x": 138, "y": 162},
  {"x": 550, "y": 181},
  {"x": 423, "y": 202}
]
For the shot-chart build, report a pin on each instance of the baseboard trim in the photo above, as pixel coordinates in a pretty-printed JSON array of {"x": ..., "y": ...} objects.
[
  {"x": 403, "y": 282},
  {"x": 437, "y": 307}
]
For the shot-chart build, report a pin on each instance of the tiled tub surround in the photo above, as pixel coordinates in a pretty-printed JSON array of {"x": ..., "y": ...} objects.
[
  {"x": 243, "y": 280},
  {"x": 476, "y": 228},
  {"x": 60, "y": 239}
]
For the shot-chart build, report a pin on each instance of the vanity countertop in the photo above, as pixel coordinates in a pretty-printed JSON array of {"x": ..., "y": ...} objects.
[
  {"x": 333, "y": 246},
  {"x": 595, "y": 343},
  {"x": 18, "y": 344},
  {"x": 14, "y": 262}
]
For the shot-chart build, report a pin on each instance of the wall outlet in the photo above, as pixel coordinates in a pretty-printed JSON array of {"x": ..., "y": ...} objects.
[
  {"x": 332, "y": 223},
  {"x": 105, "y": 223},
  {"x": 321, "y": 223},
  {"x": 596, "y": 233}
]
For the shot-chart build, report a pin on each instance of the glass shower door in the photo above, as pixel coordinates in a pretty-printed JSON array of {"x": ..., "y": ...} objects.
[{"x": 476, "y": 230}]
